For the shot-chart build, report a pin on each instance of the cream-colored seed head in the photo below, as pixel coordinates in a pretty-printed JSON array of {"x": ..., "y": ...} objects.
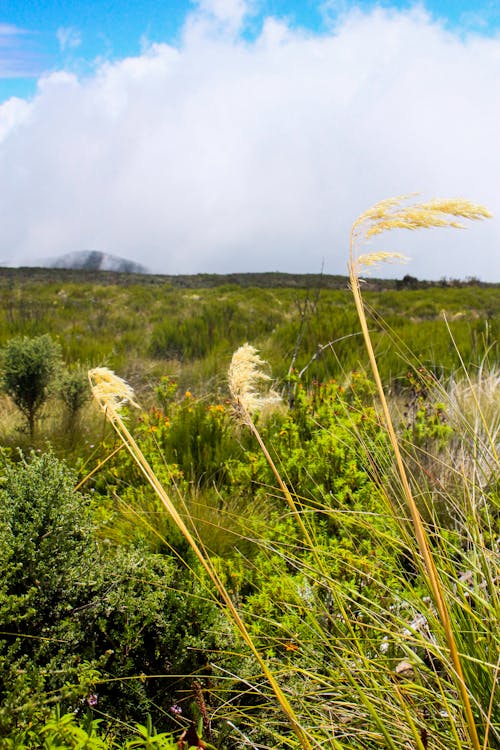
[
  {"x": 373, "y": 259},
  {"x": 246, "y": 378},
  {"x": 400, "y": 213},
  {"x": 396, "y": 213},
  {"x": 110, "y": 391}
]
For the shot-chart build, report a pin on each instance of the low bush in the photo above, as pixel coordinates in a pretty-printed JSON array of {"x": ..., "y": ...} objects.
[{"x": 86, "y": 625}]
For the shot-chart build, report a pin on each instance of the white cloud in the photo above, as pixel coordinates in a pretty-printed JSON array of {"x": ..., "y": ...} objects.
[
  {"x": 227, "y": 154},
  {"x": 8, "y": 30},
  {"x": 68, "y": 37},
  {"x": 233, "y": 11},
  {"x": 13, "y": 113},
  {"x": 17, "y": 59}
]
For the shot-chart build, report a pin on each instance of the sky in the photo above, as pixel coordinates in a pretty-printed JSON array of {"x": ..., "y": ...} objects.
[{"x": 221, "y": 136}]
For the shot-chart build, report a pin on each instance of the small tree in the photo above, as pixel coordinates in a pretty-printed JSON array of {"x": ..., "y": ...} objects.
[
  {"x": 73, "y": 390},
  {"x": 29, "y": 366}
]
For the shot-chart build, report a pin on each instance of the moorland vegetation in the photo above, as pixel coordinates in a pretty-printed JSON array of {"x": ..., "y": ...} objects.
[{"x": 301, "y": 553}]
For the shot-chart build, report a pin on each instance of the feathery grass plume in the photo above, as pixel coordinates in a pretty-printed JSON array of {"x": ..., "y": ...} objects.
[
  {"x": 112, "y": 393},
  {"x": 398, "y": 213},
  {"x": 246, "y": 377},
  {"x": 373, "y": 259}
]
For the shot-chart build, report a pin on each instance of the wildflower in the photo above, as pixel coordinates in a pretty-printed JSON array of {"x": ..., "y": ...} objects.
[
  {"x": 92, "y": 700},
  {"x": 175, "y": 709},
  {"x": 216, "y": 408}
]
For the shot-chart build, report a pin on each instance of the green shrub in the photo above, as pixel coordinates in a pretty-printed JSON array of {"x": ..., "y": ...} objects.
[
  {"x": 79, "y": 619},
  {"x": 29, "y": 367},
  {"x": 73, "y": 390},
  {"x": 66, "y": 732}
]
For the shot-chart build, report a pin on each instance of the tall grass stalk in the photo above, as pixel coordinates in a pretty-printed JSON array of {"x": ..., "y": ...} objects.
[
  {"x": 397, "y": 214},
  {"x": 111, "y": 393},
  {"x": 475, "y": 395},
  {"x": 245, "y": 375}
]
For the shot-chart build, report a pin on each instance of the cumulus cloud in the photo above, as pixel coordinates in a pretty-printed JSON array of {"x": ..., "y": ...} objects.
[{"x": 228, "y": 154}]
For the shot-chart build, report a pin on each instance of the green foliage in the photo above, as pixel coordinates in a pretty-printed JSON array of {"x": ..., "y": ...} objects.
[
  {"x": 195, "y": 435},
  {"x": 219, "y": 324},
  {"x": 73, "y": 390},
  {"x": 199, "y": 326},
  {"x": 29, "y": 367},
  {"x": 62, "y": 732},
  {"x": 66, "y": 732},
  {"x": 79, "y": 619},
  {"x": 425, "y": 416},
  {"x": 195, "y": 446},
  {"x": 103, "y": 610}
]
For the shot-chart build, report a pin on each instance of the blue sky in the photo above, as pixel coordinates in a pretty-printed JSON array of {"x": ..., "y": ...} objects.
[
  {"x": 246, "y": 135},
  {"x": 45, "y": 35}
]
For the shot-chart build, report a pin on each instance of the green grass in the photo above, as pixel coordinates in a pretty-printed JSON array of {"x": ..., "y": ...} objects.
[
  {"x": 363, "y": 598},
  {"x": 144, "y": 329},
  {"x": 344, "y": 616}
]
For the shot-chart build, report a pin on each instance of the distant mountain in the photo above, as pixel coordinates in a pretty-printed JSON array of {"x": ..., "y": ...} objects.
[{"x": 93, "y": 260}]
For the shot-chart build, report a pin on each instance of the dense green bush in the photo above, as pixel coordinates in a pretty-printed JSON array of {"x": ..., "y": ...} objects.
[{"x": 81, "y": 623}]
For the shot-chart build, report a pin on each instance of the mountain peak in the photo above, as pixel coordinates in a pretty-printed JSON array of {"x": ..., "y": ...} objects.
[{"x": 94, "y": 260}]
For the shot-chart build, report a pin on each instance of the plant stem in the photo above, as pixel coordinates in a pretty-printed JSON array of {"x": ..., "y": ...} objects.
[{"x": 419, "y": 529}]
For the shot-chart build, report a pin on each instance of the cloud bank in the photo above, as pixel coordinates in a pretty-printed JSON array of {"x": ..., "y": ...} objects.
[{"x": 227, "y": 154}]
